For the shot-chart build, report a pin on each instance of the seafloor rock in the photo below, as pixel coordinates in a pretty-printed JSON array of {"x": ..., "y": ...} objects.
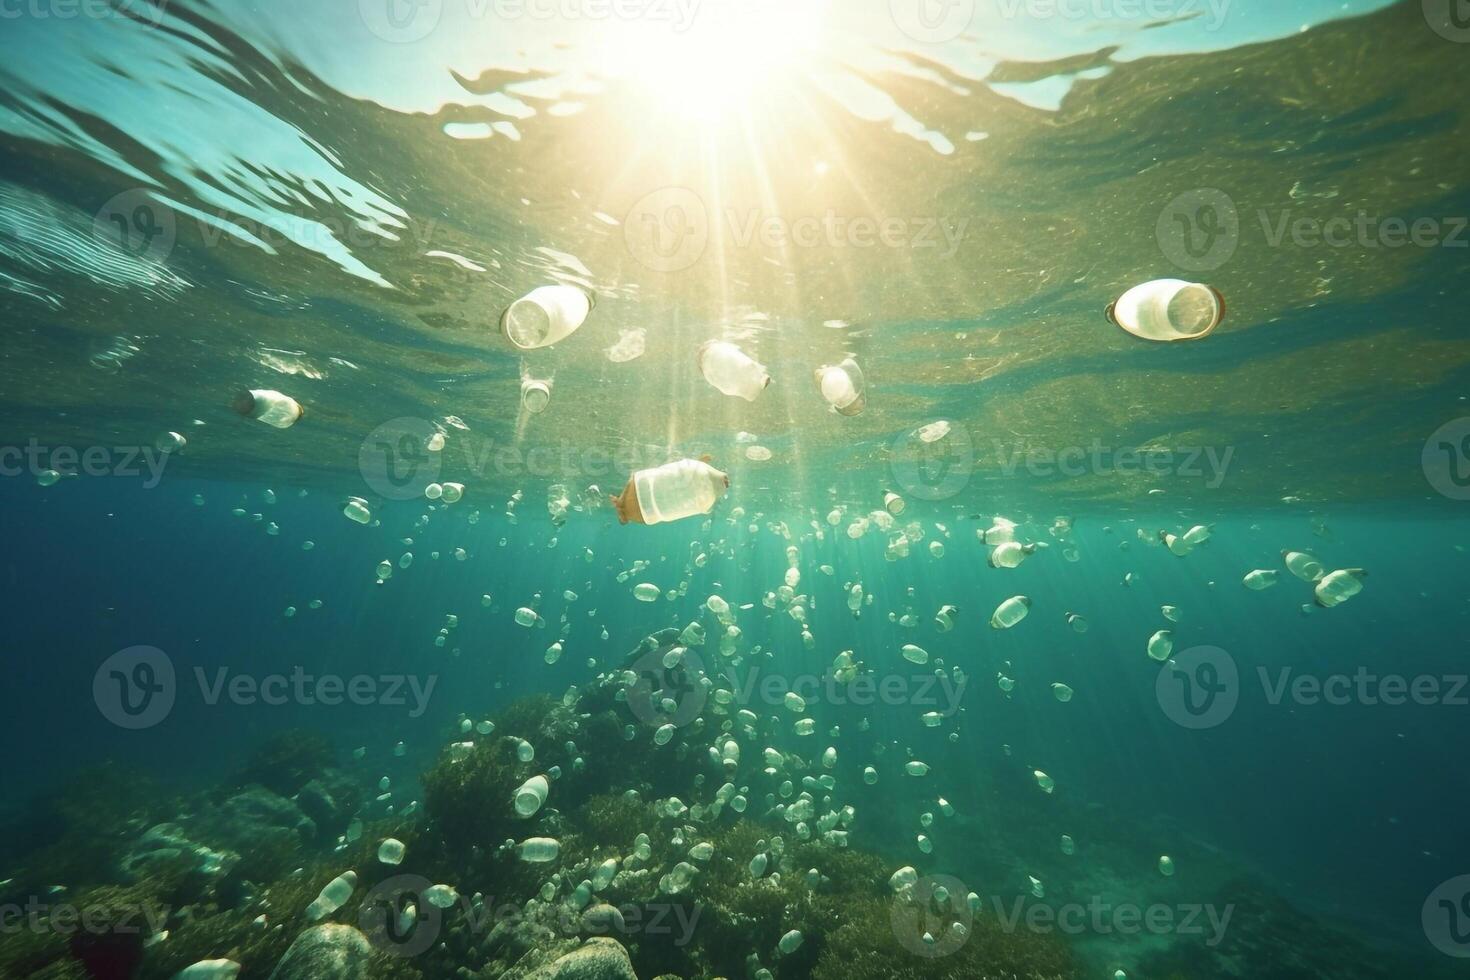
[
  {"x": 597, "y": 959},
  {"x": 256, "y": 810},
  {"x": 330, "y": 802},
  {"x": 165, "y": 844},
  {"x": 325, "y": 952}
]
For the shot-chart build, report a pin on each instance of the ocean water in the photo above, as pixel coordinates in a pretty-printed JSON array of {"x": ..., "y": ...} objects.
[{"x": 222, "y": 693}]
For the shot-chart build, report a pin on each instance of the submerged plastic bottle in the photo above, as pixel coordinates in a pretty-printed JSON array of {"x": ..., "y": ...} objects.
[
  {"x": 843, "y": 387},
  {"x": 1339, "y": 586},
  {"x": 535, "y": 395},
  {"x": 731, "y": 370},
  {"x": 684, "y": 488},
  {"x": 531, "y": 795},
  {"x": 1168, "y": 309},
  {"x": 268, "y": 406},
  {"x": 545, "y": 316}
]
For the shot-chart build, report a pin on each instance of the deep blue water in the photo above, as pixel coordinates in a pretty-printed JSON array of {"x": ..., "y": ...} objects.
[{"x": 1350, "y": 808}]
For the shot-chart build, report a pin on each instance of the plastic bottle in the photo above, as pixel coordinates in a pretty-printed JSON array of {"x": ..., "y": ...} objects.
[
  {"x": 1303, "y": 565},
  {"x": 1160, "y": 645},
  {"x": 1168, "y": 309},
  {"x": 545, "y": 316},
  {"x": 271, "y": 407},
  {"x": 671, "y": 492},
  {"x": 843, "y": 387},
  {"x": 538, "y": 850},
  {"x": 1010, "y": 612},
  {"x": 731, "y": 370},
  {"x": 531, "y": 795},
  {"x": 391, "y": 851},
  {"x": 1339, "y": 586},
  {"x": 333, "y": 896},
  {"x": 535, "y": 395}
]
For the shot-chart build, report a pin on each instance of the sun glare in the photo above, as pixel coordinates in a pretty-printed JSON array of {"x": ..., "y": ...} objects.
[{"x": 723, "y": 56}]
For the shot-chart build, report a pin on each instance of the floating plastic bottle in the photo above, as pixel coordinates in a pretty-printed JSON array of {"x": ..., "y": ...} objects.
[
  {"x": 843, "y": 388},
  {"x": 1171, "y": 613},
  {"x": 916, "y": 768},
  {"x": 545, "y": 316},
  {"x": 870, "y": 775},
  {"x": 914, "y": 654},
  {"x": 1339, "y": 586},
  {"x": 356, "y": 509},
  {"x": 1161, "y": 645},
  {"x": 271, "y": 407},
  {"x": 391, "y": 851},
  {"x": 1010, "y": 612},
  {"x": 944, "y": 619},
  {"x": 1078, "y": 623},
  {"x": 1168, "y": 309},
  {"x": 170, "y": 442},
  {"x": 790, "y": 942},
  {"x": 1259, "y": 579},
  {"x": 1069, "y": 846},
  {"x": 1009, "y": 554},
  {"x": 893, "y": 503},
  {"x": 1166, "y": 866},
  {"x": 535, "y": 395},
  {"x": 441, "y": 896},
  {"x": 1046, "y": 783},
  {"x": 646, "y": 592},
  {"x": 671, "y": 492},
  {"x": 538, "y": 850},
  {"x": 731, "y": 370},
  {"x": 531, "y": 796},
  {"x": 1062, "y": 692},
  {"x": 333, "y": 896},
  {"x": 1303, "y": 565}
]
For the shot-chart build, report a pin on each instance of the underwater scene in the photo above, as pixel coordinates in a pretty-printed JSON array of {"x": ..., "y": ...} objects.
[{"x": 746, "y": 489}]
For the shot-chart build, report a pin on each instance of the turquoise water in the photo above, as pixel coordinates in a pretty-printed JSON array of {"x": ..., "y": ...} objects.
[{"x": 224, "y": 693}]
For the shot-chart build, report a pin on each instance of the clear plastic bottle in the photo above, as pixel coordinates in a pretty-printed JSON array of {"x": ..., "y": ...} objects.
[
  {"x": 731, "y": 370},
  {"x": 268, "y": 406},
  {"x": 843, "y": 387},
  {"x": 671, "y": 492},
  {"x": 1168, "y": 309},
  {"x": 545, "y": 316}
]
